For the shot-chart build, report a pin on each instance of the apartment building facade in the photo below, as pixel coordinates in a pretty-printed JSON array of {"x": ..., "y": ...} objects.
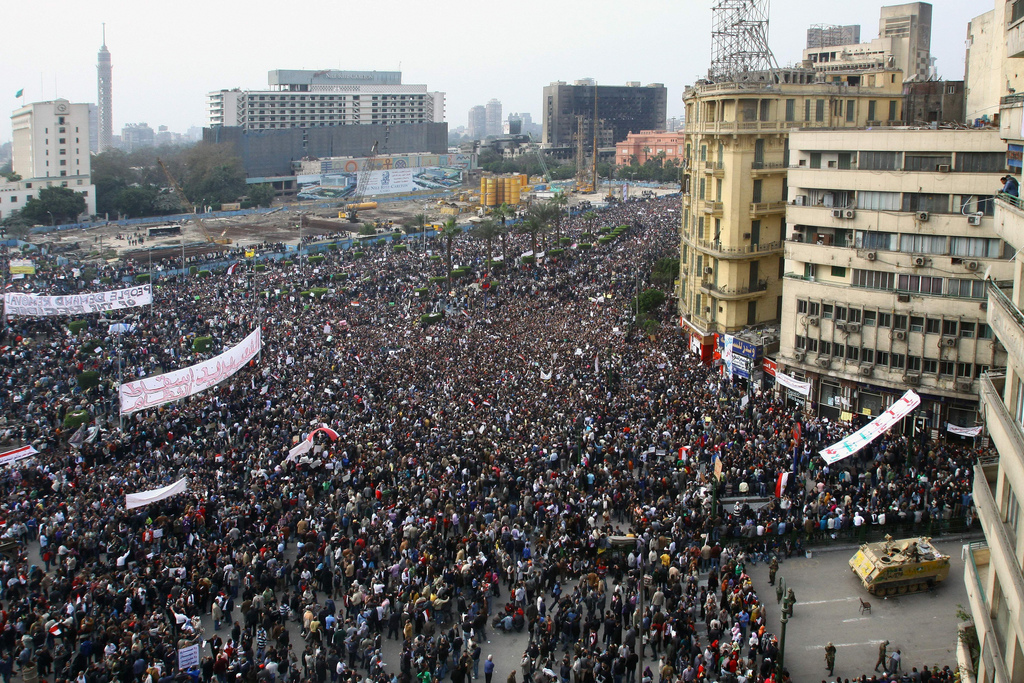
[
  {"x": 735, "y": 185},
  {"x": 890, "y": 237}
]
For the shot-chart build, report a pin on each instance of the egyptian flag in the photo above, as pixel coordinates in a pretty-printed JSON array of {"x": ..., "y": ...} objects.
[
  {"x": 326, "y": 430},
  {"x": 233, "y": 267},
  {"x": 780, "y": 484}
]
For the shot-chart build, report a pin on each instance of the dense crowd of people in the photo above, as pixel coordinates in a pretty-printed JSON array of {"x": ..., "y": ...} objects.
[{"x": 486, "y": 470}]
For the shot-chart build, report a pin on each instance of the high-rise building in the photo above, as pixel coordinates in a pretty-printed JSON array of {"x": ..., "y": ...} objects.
[
  {"x": 621, "y": 110},
  {"x": 477, "y": 128},
  {"x": 904, "y": 43},
  {"x": 312, "y": 99},
  {"x": 889, "y": 240},
  {"x": 104, "y": 98},
  {"x": 493, "y": 116},
  {"x": 94, "y": 129},
  {"x": 50, "y": 149},
  {"x": 734, "y": 203},
  {"x": 135, "y": 136},
  {"x": 826, "y": 35}
]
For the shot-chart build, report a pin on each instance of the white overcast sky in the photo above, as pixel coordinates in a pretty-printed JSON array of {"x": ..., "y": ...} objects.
[{"x": 167, "y": 56}]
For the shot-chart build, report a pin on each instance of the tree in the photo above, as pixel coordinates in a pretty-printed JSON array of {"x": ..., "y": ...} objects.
[
  {"x": 558, "y": 204},
  {"x": 487, "y": 230},
  {"x": 53, "y": 206},
  {"x": 449, "y": 229},
  {"x": 262, "y": 194},
  {"x": 16, "y": 225},
  {"x": 665, "y": 271},
  {"x": 213, "y": 174},
  {"x": 533, "y": 225},
  {"x": 590, "y": 217},
  {"x": 649, "y": 300},
  {"x": 136, "y": 201},
  {"x": 503, "y": 213},
  {"x": 545, "y": 216}
]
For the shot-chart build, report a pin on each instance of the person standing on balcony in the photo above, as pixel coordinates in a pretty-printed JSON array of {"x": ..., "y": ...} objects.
[{"x": 1010, "y": 185}]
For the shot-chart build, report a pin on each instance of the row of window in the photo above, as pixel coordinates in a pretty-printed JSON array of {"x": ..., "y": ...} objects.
[
  {"x": 893, "y": 361},
  {"x": 966, "y": 247},
  {"x": 896, "y": 321},
  {"x": 385, "y": 110},
  {"x": 331, "y": 98},
  {"x": 955, "y": 287},
  {"x": 960, "y": 162},
  {"x": 900, "y": 202}
]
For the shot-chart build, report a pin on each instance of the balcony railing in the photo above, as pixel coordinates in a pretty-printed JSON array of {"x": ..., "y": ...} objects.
[
  {"x": 757, "y": 208},
  {"x": 738, "y": 251},
  {"x": 767, "y": 166},
  {"x": 729, "y": 292},
  {"x": 713, "y": 207}
]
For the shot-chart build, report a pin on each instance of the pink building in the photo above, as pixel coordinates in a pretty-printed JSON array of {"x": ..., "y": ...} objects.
[{"x": 647, "y": 144}]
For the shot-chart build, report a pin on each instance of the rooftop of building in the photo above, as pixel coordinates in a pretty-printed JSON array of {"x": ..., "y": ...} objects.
[{"x": 285, "y": 77}]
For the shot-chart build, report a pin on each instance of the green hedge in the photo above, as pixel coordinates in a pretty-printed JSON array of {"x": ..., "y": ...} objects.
[
  {"x": 318, "y": 292},
  {"x": 286, "y": 263},
  {"x": 202, "y": 344},
  {"x": 316, "y": 258},
  {"x": 460, "y": 272},
  {"x": 495, "y": 264},
  {"x": 77, "y": 326},
  {"x": 358, "y": 254},
  {"x": 204, "y": 273},
  {"x": 90, "y": 347},
  {"x": 106, "y": 280},
  {"x": 420, "y": 291},
  {"x": 431, "y": 318},
  {"x": 435, "y": 257},
  {"x": 75, "y": 419},
  {"x": 528, "y": 259},
  {"x": 333, "y": 246},
  {"x": 88, "y": 380},
  {"x": 339, "y": 276},
  {"x": 587, "y": 236},
  {"x": 584, "y": 246},
  {"x": 438, "y": 278},
  {"x": 260, "y": 267},
  {"x": 604, "y": 240},
  {"x": 555, "y": 252},
  {"x": 400, "y": 247},
  {"x": 192, "y": 270},
  {"x": 142, "y": 277},
  {"x": 564, "y": 240}
]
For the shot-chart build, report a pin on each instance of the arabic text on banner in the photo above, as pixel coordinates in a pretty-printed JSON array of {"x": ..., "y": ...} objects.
[
  {"x": 77, "y": 304},
  {"x": 793, "y": 383},
  {"x": 137, "y": 500},
  {"x": 17, "y": 454},
  {"x": 178, "y": 384},
  {"x": 963, "y": 431},
  {"x": 872, "y": 430}
]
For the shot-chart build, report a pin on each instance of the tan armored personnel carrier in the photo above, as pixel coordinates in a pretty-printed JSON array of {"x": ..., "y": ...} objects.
[{"x": 896, "y": 567}]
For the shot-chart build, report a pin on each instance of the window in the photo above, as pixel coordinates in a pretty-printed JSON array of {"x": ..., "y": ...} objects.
[
  {"x": 838, "y": 350},
  {"x": 967, "y": 330},
  {"x": 790, "y": 110},
  {"x": 854, "y": 315},
  {"x": 884, "y": 319},
  {"x": 922, "y": 244},
  {"x": 925, "y": 162},
  {"x": 967, "y": 289},
  {"x": 819, "y": 110},
  {"x": 976, "y": 247},
  {"x": 933, "y": 325},
  {"x": 949, "y": 327},
  {"x": 815, "y": 159},
  {"x": 897, "y": 361},
  {"x": 875, "y": 240},
  {"x": 974, "y": 203},
  {"x": 812, "y": 345},
  {"x": 870, "y": 318},
  {"x": 807, "y": 110},
  {"x": 980, "y": 370},
  {"x": 882, "y": 358},
  {"x": 926, "y": 201},
  {"x": 922, "y": 284},
  {"x": 850, "y": 110},
  {"x": 873, "y": 279},
  {"x": 965, "y": 370},
  {"x": 840, "y": 312},
  {"x": 980, "y": 162},
  {"x": 878, "y": 201},
  {"x": 899, "y": 322},
  {"x": 867, "y": 355},
  {"x": 813, "y": 308},
  {"x": 1012, "y": 513},
  {"x": 800, "y": 342},
  {"x": 914, "y": 363},
  {"x": 892, "y": 110},
  {"x": 930, "y": 366},
  {"x": 916, "y": 323},
  {"x": 825, "y": 348},
  {"x": 872, "y": 106},
  {"x": 826, "y": 311},
  {"x": 838, "y": 271},
  {"x": 801, "y": 305},
  {"x": 879, "y": 161},
  {"x": 984, "y": 331},
  {"x": 852, "y": 353}
]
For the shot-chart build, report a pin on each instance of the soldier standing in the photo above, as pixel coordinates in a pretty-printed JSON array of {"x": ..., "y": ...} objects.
[
  {"x": 773, "y": 568},
  {"x": 830, "y": 657},
  {"x": 881, "y": 654}
]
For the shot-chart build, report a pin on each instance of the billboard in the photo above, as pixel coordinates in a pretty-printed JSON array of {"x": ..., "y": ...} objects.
[
  {"x": 375, "y": 183},
  {"x": 463, "y": 162}
]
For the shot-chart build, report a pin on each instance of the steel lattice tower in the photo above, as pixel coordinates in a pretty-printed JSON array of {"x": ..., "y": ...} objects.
[{"x": 739, "y": 39}]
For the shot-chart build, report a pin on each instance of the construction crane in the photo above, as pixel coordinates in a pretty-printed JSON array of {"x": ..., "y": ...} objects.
[
  {"x": 543, "y": 164},
  {"x": 352, "y": 209},
  {"x": 185, "y": 202}
]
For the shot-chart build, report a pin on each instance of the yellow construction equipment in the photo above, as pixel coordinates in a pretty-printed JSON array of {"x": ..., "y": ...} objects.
[{"x": 185, "y": 201}]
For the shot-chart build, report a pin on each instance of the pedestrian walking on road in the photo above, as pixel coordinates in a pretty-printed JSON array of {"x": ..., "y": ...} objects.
[
  {"x": 830, "y": 657},
  {"x": 881, "y": 654},
  {"x": 489, "y": 668}
]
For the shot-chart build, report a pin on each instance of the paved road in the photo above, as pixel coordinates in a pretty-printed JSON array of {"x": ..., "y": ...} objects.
[{"x": 923, "y": 626}]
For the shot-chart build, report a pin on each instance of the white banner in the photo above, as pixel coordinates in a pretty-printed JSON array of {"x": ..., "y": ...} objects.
[
  {"x": 171, "y": 386},
  {"x": 793, "y": 383},
  {"x": 727, "y": 354},
  {"x": 872, "y": 430},
  {"x": 77, "y": 304},
  {"x": 137, "y": 500},
  {"x": 188, "y": 657},
  {"x": 963, "y": 431},
  {"x": 17, "y": 454}
]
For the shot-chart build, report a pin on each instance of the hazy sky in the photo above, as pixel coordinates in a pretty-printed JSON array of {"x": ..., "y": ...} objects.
[{"x": 166, "y": 60}]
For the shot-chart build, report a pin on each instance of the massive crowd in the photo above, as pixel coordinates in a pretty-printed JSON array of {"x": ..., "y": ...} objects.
[{"x": 485, "y": 467}]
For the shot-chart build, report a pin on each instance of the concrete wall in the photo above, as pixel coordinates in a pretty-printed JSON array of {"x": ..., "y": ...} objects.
[{"x": 271, "y": 153}]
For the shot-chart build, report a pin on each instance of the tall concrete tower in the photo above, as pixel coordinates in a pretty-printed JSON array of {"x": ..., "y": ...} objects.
[{"x": 104, "y": 117}]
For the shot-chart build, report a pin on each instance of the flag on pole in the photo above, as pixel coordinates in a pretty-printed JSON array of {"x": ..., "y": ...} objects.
[
  {"x": 780, "y": 483},
  {"x": 597, "y": 366},
  {"x": 20, "y": 93},
  {"x": 233, "y": 267}
]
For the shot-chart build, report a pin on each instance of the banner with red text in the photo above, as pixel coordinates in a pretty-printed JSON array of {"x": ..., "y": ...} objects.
[
  {"x": 872, "y": 430},
  {"x": 77, "y": 304},
  {"x": 155, "y": 391},
  {"x": 17, "y": 454}
]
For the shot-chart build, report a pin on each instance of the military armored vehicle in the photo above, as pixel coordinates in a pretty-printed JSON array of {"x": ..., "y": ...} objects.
[{"x": 896, "y": 567}]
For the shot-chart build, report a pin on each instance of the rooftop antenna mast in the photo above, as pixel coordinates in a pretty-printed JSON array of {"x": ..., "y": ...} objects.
[{"x": 739, "y": 40}]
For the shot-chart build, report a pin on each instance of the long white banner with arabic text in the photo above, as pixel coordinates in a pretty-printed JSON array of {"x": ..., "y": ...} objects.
[
  {"x": 155, "y": 391},
  {"x": 137, "y": 500},
  {"x": 872, "y": 430},
  {"x": 793, "y": 383},
  {"x": 77, "y": 304}
]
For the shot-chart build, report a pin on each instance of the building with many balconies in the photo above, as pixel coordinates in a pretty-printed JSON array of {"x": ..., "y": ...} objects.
[
  {"x": 735, "y": 186},
  {"x": 889, "y": 238}
]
